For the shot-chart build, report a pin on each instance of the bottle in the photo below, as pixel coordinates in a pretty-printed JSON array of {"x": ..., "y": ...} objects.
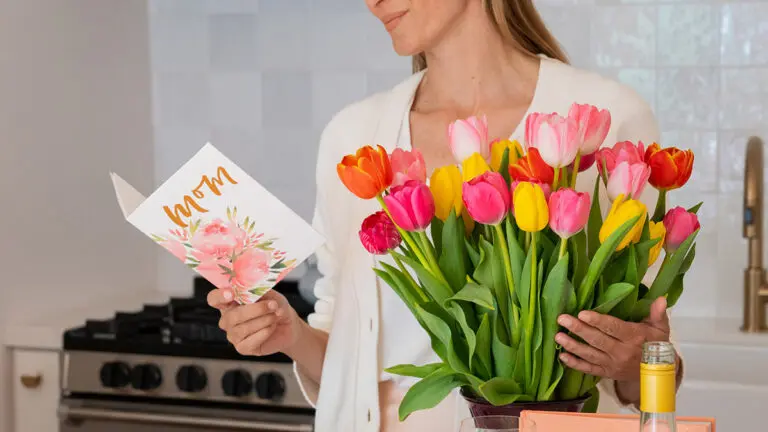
[{"x": 658, "y": 388}]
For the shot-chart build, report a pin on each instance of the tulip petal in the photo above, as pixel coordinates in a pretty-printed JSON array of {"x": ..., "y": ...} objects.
[{"x": 400, "y": 215}]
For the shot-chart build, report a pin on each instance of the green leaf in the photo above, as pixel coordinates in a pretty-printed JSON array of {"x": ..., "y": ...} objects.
[
  {"x": 688, "y": 260},
  {"x": 474, "y": 254},
  {"x": 643, "y": 250},
  {"x": 483, "y": 350},
  {"x": 504, "y": 356},
  {"x": 436, "y": 228},
  {"x": 577, "y": 247},
  {"x": 553, "y": 298},
  {"x": 524, "y": 289},
  {"x": 595, "y": 221},
  {"x": 670, "y": 268},
  {"x": 600, "y": 260},
  {"x": 474, "y": 293},
  {"x": 557, "y": 376},
  {"x": 453, "y": 256},
  {"x": 490, "y": 273},
  {"x": 437, "y": 289},
  {"x": 612, "y": 296},
  {"x": 501, "y": 391},
  {"x": 590, "y": 406},
  {"x": 631, "y": 275},
  {"x": 616, "y": 268},
  {"x": 675, "y": 291},
  {"x": 518, "y": 372},
  {"x": 399, "y": 283},
  {"x": 415, "y": 371},
  {"x": 435, "y": 325},
  {"x": 429, "y": 392},
  {"x": 504, "y": 167},
  {"x": 695, "y": 209},
  {"x": 469, "y": 334}
]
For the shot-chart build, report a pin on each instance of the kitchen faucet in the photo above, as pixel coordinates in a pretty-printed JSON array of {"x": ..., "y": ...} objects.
[{"x": 755, "y": 286}]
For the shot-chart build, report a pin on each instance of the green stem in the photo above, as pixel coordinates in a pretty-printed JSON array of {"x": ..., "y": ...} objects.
[
  {"x": 508, "y": 270},
  {"x": 563, "y": 247},
  {"x": 527, "y": 241},
  {"x": 575, "y": 169},
  {"x": 408, "y": 276},
  {"x": 531, "y": 308},
  {"x": 557, "y": 179},
  {"x": 431, "y": 257},
  {"x": 405, "y": 236},
  {"x": 661, "y": 206}
]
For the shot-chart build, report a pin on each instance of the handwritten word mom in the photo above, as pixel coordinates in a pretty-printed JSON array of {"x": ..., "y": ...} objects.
[{"x": 184, "y": 210}]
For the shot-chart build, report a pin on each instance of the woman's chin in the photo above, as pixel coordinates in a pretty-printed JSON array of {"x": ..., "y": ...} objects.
[{"x": 406, "y": 47}]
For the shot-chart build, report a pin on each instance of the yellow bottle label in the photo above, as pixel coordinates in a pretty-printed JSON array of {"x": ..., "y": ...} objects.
[{"x": 657, "y": 388}]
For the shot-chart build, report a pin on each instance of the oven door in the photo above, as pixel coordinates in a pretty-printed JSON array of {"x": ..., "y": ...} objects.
[{"x": 77, "y": 415}]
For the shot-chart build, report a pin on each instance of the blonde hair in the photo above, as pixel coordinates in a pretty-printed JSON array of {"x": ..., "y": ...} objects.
[{"x": 520, "y": 24}]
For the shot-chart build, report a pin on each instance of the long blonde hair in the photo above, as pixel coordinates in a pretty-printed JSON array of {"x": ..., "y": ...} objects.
[{"x": 520, "y": 24}]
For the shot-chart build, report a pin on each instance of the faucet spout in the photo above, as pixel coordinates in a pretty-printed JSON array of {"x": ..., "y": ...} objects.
[{"x": 755, "y": 287}]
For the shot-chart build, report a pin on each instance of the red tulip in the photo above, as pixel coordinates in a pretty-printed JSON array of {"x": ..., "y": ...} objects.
[
  {"x": 532, "y": 167},
  {"x": 378, "y": 234},
  {"x": 411, "y": 205},
  {"x": 568, "y": 212},
  {"x": 487, "y": 198},
  {"x": 624, "y": 151},
  {"x": 593, "y": 125},
  {"x": 679, "y": 224},
  {"x": 407, "y": 165},
  {"x": 670, "y": 167},
  {"x": 628, "y": 180}
]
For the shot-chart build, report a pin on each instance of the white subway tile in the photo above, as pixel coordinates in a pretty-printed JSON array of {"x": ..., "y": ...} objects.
[
  {"x": 236, "y": 101},
  {"x": 744, "y": 33},
  {"x": 286, "y": 100},
  {"x": 704, "y": 146},
  {"x": 332, "y": 91},
  {"x": 688, "y": 35},
  {"x": 233, "y": 43},
  {"x": 283, "y": 41},
  {"x": 181, "y": 100},
  {"x": 231, "y": 6},
  {"x": 743, "y": 98},
  {"x": 338, "y": 42},
  {"x": 624, "y": 36},
  {"x": 687, "y": 97},
  {"x": 179, "y": 42}
]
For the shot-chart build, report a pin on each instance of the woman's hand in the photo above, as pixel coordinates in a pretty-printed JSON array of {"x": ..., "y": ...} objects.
[
  {"x": 268, "y": 326},
  {"x": 613, "y": 347}
]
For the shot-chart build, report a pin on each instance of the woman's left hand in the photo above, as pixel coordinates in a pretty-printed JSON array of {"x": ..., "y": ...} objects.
[{"x": 613, "y": 347}]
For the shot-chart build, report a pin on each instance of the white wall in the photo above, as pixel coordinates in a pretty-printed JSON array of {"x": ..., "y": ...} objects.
[{"x": 75, "y": 103}]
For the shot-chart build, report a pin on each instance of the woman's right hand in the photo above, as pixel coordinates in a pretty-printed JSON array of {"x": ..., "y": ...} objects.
[{"x": 268, "y": 326}]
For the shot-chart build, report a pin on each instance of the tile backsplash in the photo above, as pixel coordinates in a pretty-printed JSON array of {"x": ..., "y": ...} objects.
[{"x": 261, "y": 78}]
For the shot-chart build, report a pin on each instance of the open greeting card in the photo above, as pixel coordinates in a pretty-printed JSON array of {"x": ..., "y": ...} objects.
[
  {"x": 584, "y": 422},
  {"x": 219, "y": 221}
]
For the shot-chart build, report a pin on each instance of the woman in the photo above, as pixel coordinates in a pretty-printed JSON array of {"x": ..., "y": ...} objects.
[{"x": 489, "y": 56}]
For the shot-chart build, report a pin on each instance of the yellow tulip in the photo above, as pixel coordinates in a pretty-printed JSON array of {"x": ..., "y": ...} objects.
[
  {"x": 473, "y": 166},
  {"x": 530, "y": 207},
  {"x": 445, "y": 184},
  {"x": 497, "y": 152},
  {"x": 657, "y": 231},
  {"x": 623, "y": 210}
]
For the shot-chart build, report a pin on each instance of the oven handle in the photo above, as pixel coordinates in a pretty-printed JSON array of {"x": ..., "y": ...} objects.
[{"x": 66, "y": 412}]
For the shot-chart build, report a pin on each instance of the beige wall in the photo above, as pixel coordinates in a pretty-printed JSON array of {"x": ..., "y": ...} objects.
[{"x": 75, "y": 103}]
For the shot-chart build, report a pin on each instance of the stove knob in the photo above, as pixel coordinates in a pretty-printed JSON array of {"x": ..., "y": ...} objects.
[
  {"x": 270, "y": 386},
  {"x": 236, "y": 383},
  {"x": 115, "y": 374},
  {"x": 146, "y": 377},
  {"x": 191, "y": 379}
]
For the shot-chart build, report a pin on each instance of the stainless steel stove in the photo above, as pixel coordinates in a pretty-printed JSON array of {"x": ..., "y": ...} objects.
[{"x": 170, "y": 367}]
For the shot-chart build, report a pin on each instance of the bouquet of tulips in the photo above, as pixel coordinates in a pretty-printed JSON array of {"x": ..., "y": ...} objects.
[{"x": 492, "y": 250}]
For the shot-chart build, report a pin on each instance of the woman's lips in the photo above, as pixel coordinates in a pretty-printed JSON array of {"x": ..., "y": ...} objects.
[{"x": 391, "y": 22}]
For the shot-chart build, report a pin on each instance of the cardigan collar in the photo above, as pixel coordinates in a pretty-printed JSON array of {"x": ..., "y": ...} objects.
[{"x": 397, "y": 102}]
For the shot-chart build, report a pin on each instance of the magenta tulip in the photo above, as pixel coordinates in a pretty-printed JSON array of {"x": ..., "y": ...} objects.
[
  {"x": 469, "y": 136},
  {"x": 679, "y": 224},
  {"x": 378, "y": 234},
  {"x": 556, "y": 138},
  {"x": 593, "y": 124},
  {"x": 624, "y": 151},
  {"x": 487, "y": 198},
  {"x": 628, "y": 180},
  {"x": 407, "y": 165},
  {"x": 411, "y": 205},
  {"x": 568, "y": 212}
]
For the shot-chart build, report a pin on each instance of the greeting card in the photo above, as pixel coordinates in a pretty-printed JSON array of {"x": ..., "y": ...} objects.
[{"x": 222, "y": 223}]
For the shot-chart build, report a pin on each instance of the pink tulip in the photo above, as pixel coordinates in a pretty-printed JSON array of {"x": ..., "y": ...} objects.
[
  {"x": 487, "y": 198},
  {"x": 545, "y": 187},
  {"x": 407, "y": 165},
  {"x": 469, "y": 136},
  {"x": 624, "y": 151},
  {"x": 411, "y": 205},
  {"x": 568, "y": 212},
  {"x": 628, "y": 179},
  {"x": 556, "y": 138},
  {"x": 593, "y": 126},
  {"x": 679, "y": 224},
  {"x": 378, "y": 234}
]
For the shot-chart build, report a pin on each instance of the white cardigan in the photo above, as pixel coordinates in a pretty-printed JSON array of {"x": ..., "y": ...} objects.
[{"x": 348, "y": 305}]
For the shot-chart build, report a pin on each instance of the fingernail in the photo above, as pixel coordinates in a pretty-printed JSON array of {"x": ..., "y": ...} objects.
[
  {"x": 279, "y": 312},
  {"x": 559, "y": 338},
  {"x": 228, "y": 295},
  {"x": 563, "y": 320},
  {"x": 272, "y": 305},
  {"x": 585, "y": 316},
  {"x": 563, "y": 357}
]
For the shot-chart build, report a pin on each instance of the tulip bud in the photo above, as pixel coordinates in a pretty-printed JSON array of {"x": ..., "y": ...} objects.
[
  {"x": 411, "y": 205},
  {"x": 679, "y": 224},
  {"x": 473, "y": 166},
  {"x": 407, "y": 165},
  {"x": 568, "y": 212},
  {"x": 545, "y": 187},
  {"x": 378, "y": 234},
  {"x": 670, "y": 167},
  {"x": 628, "y": 180},
  {"x": 531, "y": 212},
  {"x": 468, "y": 136},
  {"x": 446, "y": 185},
  {"x": 621, "y": 211},
  {"x": 367, "y": 173},
  {"x": 554, "y": 136},
  {"x": 593, "y": 125},
  {"x": 486, "y": 198},
  {"x": 656, "y": 231},
  {"x": 624, "y": 151},
  {"x": 498, "y": 148}
]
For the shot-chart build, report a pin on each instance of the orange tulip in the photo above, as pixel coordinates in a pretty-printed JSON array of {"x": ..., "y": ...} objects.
[
  {"x": 670, "y": 167},
  {"x": 532, "y": 167},
  {"x": 367, "y": 173}
]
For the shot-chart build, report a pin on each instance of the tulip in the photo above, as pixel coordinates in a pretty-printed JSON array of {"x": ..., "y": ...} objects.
[
  {"x": 445, "y": 185},
  {"x": 532, "y": 214},
  {"x": 473, "y": 166},
  {"x": 628, "y": 179},
  {"x": 367, "y": 173},
  {"x": 408, "y": 165},
  {"x": 497, "y": 152},
  {"x": 625, "y": 151},
  {"x": 657, "y": 231},
  {"x": 556, "y": 137},
  {"x": 545, "y": 187},
  {"x": 411, "y": 205},
  {"x": 593, "y": 125},
  {"x": 679, "y": 224},
  {"x": 467, "y": 137},
  {"x": 378, "y": 234},
  {"x": 568, "y": 212},
  {"x": 532, "y": 167},
  {"x": 621, "y": 211},
  {"x": 486, "y": 198},
  {"x": 670, "y": 167}
]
